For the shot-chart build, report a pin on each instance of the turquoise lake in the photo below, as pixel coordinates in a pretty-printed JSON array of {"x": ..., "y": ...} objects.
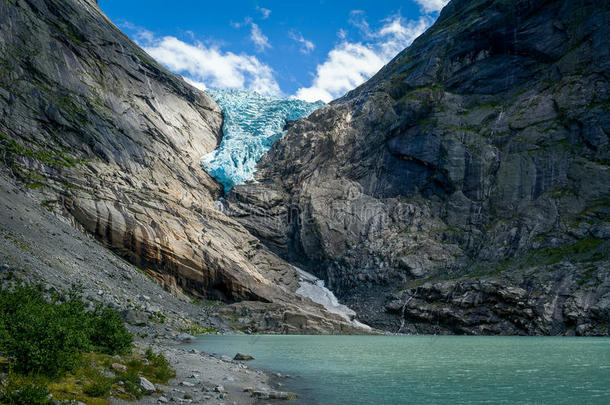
[{"x": 429, "y": 369}]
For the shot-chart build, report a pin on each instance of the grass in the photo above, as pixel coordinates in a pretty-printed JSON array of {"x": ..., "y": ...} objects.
[
  {"x": 196, "y": 329},
  {"x": 17, "y": 242},
  {"x": 202, "y": 302},
  {"x": 95, "y": 382},
  {"x": 157, "y": 318},
  {"x": 586, "y": 250},
  {"x": 48, "y": 204},
  {"x": 68, "y": 32},
  {"x": 419, "y": 92},
  {"x": 413, "y": 283},
  {"x": 24, "y": 391},
  {"x": 145, "y": 58}
]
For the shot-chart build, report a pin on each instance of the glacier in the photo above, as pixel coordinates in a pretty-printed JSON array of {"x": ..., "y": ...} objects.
[{"x": 252, "y": 123}]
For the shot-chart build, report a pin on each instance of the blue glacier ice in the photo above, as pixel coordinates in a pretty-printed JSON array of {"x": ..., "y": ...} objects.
[{"x": 252, "y": 123}]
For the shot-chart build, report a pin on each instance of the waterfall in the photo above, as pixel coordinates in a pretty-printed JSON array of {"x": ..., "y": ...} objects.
[
  {"x": 402, "y": 313},
  {"x": 313, "y": 288}
]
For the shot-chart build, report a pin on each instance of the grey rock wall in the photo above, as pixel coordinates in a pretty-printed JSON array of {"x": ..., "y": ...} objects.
[{"x": 483, "y": 142}]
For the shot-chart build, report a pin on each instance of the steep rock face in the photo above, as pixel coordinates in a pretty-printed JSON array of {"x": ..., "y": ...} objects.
[
  {"x": 108, "y": 137},
  {"x": 484, "y": 142}
]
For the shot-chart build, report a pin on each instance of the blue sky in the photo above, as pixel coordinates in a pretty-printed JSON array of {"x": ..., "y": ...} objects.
[{"x": 310, "y": 50}]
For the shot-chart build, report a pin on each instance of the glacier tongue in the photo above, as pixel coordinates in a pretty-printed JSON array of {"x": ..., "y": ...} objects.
[
  {"x": 313, "y": 288},
  {"x": 252, "y": 123}
]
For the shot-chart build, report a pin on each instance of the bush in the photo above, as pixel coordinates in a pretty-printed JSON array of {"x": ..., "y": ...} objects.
[
  {"x": 158, "y": 366},
  {"x": 108, "y": 333},
  {"x": 49, "y": 336},
  {"x": 41, "y": 337},
  {"x": 24, "y": 392},
  {"x": 131, "y": 384}
]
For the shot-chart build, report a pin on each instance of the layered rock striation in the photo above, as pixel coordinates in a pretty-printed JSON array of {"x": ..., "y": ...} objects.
[
  {"x": 101, "y": 133},
  {"x": 465, "y": 188}
]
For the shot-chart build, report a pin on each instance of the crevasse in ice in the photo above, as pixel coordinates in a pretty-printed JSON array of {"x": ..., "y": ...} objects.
[{"x": 252, "y": 123}]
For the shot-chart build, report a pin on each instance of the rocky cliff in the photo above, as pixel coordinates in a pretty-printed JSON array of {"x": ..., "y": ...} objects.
[
  {"x": 102, "y": 134},
  {"x": 465, "y": 188}
]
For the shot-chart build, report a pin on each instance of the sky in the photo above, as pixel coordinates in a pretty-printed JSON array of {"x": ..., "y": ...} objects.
[{"x": 315, "y": 50}]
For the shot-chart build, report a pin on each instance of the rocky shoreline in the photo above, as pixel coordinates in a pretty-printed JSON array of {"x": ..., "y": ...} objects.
[{"x": 209, "y": 379}]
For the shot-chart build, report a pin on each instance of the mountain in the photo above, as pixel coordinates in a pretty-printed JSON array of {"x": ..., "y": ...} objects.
[
  {"x": 101, "y": 134},
  {"x": 465, "y": 188}
]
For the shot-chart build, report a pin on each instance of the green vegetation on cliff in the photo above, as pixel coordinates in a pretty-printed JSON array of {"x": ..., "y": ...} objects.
[{"x": 11, "y": 149}]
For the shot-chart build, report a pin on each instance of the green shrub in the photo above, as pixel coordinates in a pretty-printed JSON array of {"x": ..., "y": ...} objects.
[
  {"x": 24, "y": 392},
  {"x": 131, "y": 385},
  {"x": 49, "y": 336},
  {"x": 158, "y": 367},
  {"x": 41, "y": 337},
  {"x": 108, "y": 333}
]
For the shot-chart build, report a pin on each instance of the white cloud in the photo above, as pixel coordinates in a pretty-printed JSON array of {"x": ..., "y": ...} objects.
[
  {"x": 430, "y": 6},
  {"x": 347, "y": 66},
  {"x": 306, "y": 45},
  {"x": 350, "y": 64},
  {"x": 357, "y": 18},
  {"x": 208, "y": 66},
  {"x": 260, "y": 40},
  {"x": 140, "y": 34},
  {"x": 395, "y": 35},
  {"x": 265, "y": 12},
  {"x": 196, "y": 84}
]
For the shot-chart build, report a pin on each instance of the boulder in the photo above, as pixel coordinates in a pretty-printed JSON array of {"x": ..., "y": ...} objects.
[
  {"x": 186, "y": 338},
  {"x": 135, "y": 318},
  {"x": 243, "y": 357},
  {"x": 281, "y": 395},
  {"x": 119, "y": 367},
  {"x": 146, "y": 385}
]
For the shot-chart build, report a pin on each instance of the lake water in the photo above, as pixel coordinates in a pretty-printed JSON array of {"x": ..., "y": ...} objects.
[{"x": 351, "y": 370}]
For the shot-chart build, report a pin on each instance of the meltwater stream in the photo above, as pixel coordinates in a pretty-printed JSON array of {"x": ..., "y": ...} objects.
[{"x": 252, "y": 123}]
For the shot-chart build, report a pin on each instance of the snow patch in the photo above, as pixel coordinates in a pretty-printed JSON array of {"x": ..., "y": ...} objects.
[{"x": 313, "y": 288}]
